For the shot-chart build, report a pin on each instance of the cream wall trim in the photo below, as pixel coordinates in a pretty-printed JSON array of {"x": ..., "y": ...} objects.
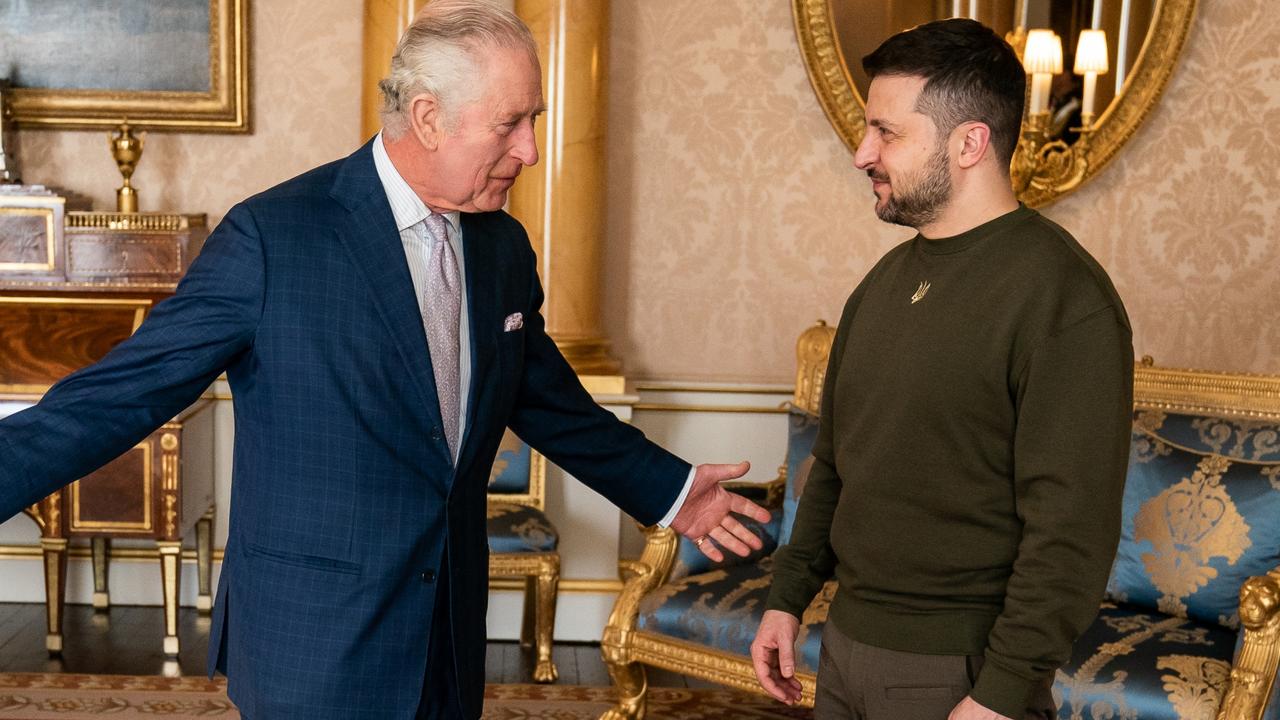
[
  {"x": 679, "y": 407},
  {"x": 594, "y": 586},
  {"x": 118, "y": 554},
  {"x": 651, "y": 386}
]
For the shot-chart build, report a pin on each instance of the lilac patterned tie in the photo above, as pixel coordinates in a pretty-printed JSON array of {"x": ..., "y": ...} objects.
[{"x": 440, "y": 317}]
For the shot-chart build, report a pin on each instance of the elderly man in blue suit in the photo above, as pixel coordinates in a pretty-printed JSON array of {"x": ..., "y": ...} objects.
[{"x": 378, "y": 320}]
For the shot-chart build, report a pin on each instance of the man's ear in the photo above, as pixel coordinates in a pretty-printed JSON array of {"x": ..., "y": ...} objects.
[
  {"x": 975, "y": 143},
  {"x": 426, "y": 120}
]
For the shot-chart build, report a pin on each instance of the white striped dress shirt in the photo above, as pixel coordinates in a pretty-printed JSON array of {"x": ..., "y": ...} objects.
[{"x": 409, "y": 210}]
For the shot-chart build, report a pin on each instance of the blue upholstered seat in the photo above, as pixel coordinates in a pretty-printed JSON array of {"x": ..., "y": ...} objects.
[
  {"x": 721, "y": 609},
  {"x": 520, "y": 528},
  {"x": 1134, "y": 663}
]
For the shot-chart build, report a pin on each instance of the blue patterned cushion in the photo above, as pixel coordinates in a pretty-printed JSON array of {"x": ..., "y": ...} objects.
[
  {"x": 690, "y": 560},
  {"x": 1197, "y": 524},
  {"x": 802, "y": 432},
  {"x": 519, "y": 528},
  {"x": 1133, "y": 664},
  {"x": 510, "y": 473},
  {"x": 721, "y": 609}
]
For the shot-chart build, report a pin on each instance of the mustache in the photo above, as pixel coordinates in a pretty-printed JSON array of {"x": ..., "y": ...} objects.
[{"x": 877, "y": 176}]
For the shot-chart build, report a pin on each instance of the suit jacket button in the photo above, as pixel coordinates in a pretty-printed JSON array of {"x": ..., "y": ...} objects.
[
  {"x": 435, "y": 434},
  {"x": 429, "y": 576}
]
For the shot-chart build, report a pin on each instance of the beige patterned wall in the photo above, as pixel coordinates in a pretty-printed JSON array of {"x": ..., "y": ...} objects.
[
  {"x": 736, "y": 217},
  {"x": 306, "y": 97}
]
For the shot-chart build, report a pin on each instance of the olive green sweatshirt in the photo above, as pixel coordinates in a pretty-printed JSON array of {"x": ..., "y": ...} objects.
[{"x": 971, "y": 454}]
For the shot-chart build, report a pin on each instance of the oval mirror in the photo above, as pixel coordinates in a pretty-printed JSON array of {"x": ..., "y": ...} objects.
[{"x": 1063, "y": 145}]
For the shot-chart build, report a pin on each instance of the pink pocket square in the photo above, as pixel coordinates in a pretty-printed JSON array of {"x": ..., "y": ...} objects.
[{"x": 514, "y": 321}]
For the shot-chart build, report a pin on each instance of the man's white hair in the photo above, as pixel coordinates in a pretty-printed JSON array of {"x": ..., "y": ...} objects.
[{"x": 439, "y": 54}]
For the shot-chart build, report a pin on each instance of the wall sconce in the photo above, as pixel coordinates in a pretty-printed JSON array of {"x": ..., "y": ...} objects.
[
  {"x": 1041, "y": 163},
  {"x": 1091, "y": 61}
]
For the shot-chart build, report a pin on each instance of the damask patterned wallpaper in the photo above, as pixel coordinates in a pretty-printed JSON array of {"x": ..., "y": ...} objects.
[
  {"x": 306, "y": 102},
  {"x": 736, "y": 217}
]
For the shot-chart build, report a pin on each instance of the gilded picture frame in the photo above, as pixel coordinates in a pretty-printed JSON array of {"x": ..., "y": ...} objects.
[{"x": 192, "y": 103}]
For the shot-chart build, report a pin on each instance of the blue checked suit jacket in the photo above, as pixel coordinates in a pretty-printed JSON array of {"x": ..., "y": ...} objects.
[{"x": 344, "y": 500}]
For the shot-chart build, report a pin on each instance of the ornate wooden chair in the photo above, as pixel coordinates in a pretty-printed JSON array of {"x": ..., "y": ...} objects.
[
  {"x": 522, "y": 543},
  {"x": 1190, "y": 627}
]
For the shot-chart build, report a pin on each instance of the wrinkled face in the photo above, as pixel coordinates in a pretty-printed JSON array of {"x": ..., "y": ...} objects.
[
  {"x": 488, "y": 142},
  {"x": 908, "y": 164}
]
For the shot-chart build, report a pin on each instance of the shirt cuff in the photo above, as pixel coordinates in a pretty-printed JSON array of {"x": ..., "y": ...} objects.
[{"x": 675, "y": 507}]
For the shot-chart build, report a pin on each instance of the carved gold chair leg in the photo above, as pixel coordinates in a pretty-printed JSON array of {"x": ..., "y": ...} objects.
[
  {"x": 101, "y": 564},
  {"x": 1254, "y": 673},
  {"x": 530, "y": 612},
  {"x": 615, "y": 647},
  {"x": 630, "y": 680},
  {"x": 548, "y": 583}
]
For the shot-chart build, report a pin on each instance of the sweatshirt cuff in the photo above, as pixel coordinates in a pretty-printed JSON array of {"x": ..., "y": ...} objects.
[
  {"x": 782, "y": 596},
  {"x": 1005, "y": 692}
]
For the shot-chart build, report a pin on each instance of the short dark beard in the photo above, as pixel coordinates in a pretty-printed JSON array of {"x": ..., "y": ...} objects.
[{"x": 920, "y": 204}]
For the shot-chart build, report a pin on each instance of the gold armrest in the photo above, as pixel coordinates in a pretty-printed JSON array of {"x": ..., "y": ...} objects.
[
  {"x": 642, "y": 576},
  {"x": 1253, "y": 673}
]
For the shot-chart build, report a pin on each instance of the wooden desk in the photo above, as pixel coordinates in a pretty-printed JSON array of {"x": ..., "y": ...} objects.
[{"x": 72, "y": 286}]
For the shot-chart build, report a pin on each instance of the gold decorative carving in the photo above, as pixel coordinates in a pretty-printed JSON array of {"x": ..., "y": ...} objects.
[
  {"x": 718, "y": 667},
  {"x": 137, "y": 222},
  {"x": 1254, "y": 673},
  {"x": 1060, "y": 172},
  {"x": 1201, "y": 392},
  {"x": 812, "y": 352}
]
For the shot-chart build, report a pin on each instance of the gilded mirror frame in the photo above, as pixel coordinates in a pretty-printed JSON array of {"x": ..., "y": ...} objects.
[{"x": 839, "y": 98}]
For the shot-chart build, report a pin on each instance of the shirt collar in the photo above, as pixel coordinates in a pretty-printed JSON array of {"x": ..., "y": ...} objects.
[{"x": 406, "y": 207}]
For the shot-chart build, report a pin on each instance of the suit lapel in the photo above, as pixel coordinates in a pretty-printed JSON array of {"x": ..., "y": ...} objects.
[
  {"x": 482, "y": 297},
  {"x": 370, "y": 236}
]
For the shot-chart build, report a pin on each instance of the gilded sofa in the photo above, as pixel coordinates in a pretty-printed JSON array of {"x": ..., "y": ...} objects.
[
  {"x": 1189, "y": 628},
  {"x": 523, "y": 542}
]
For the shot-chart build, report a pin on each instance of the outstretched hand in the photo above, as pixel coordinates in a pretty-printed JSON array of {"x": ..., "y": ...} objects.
[{"x": 707, "y": 509}]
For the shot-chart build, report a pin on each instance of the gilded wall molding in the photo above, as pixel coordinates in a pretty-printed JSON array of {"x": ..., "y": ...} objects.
[{"x": 1240, "y": 395}]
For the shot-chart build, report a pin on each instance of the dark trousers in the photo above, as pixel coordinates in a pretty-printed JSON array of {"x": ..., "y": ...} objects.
[{"x": 860, "y": 682}]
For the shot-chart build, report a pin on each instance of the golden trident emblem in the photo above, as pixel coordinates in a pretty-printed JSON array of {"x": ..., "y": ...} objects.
[{"x": 920, "y": 292}]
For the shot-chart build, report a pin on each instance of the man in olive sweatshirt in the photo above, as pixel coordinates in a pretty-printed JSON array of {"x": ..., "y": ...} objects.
[{"x": 970, "y": 460}]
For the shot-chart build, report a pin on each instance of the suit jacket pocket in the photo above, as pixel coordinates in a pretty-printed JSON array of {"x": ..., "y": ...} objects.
[{"x": 299, "y": 560}]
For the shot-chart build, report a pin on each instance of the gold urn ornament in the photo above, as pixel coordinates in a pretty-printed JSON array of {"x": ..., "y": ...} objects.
[{"x": 127, "y": 150}]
